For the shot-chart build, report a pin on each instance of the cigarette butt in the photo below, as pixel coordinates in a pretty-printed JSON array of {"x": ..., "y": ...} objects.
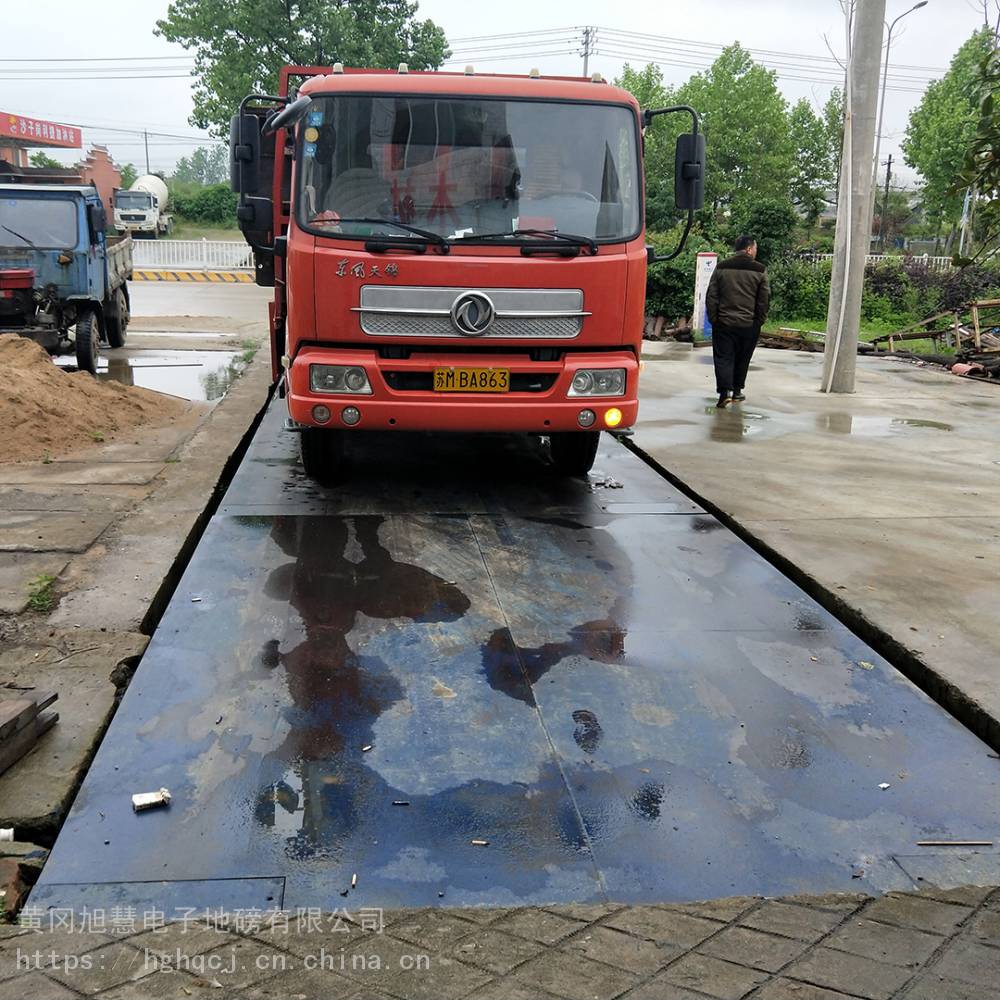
[
  {"x": 195, "y": 600},
  {"x": 150, "y": 800},
  {"x": 400, "y": 802},
  {"x": 477, "y": 842},
  {"x": 354, "y": 880},
  {"x": 365, "y": 749}
]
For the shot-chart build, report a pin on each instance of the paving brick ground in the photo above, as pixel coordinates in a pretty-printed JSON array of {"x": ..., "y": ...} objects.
[{"x": 933, "y": 945}]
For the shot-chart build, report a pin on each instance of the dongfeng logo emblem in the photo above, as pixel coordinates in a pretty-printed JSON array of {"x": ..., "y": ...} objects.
[{"x": 472, "y": 314}]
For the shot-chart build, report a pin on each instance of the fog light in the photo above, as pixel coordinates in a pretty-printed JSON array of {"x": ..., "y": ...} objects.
[
  {"x": 586, "y": 418},
  {"x": 321, "y": 414},
  {"x": 350, "y": 415},
  {"x": 612, "y": 417}
]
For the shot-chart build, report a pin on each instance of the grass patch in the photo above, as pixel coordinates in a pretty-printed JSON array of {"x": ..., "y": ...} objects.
[
  {"x": 869, "y": 330},
  {"x": 248, "y": 355},
  {"x": 97, "y": 435},
  {"x": 41, "y": 593}
]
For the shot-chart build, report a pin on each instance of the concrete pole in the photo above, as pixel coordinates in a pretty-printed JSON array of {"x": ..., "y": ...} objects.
[{"x": 853, "y": 235}]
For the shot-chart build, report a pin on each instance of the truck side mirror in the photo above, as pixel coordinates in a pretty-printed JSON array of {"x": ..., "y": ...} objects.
[
  {"x": 97, "y": 222},
  {"x": 244, "y": 152},
  {"x": 689, "y": 171}
]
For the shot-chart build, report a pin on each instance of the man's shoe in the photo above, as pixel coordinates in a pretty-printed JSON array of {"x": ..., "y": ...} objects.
[
  {"x": 738, "y": 396},
  {"x": 724, "y": 401}
]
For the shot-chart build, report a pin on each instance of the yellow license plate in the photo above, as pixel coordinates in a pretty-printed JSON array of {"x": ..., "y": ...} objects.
[{"x": 471, "y": 380}]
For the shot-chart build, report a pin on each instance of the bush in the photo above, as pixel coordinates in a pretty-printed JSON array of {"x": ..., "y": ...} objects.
[
  {"x": 670, "y": 286},
  {"x": 799, "y": 289},
  {"x": 214, "y": 203}
]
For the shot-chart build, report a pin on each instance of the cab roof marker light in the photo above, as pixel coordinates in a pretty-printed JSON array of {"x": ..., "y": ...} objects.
[
  {"x": 597, "y": 78},
  {"x": 338, "y": 68},
  {"x": 403, "y": 68},
  {"x": 533, "y": 73},
  {"x": 470, "y": 70}
]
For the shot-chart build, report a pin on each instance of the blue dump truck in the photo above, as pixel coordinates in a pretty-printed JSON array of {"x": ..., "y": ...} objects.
[{"x": 63, "y": 283}]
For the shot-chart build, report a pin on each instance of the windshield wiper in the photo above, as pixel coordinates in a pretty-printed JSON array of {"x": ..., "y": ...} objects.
[
  {"x": 571, "y": 238},
  {"x": 19, "y": 236},
  {"x": 425, "y": 234}
]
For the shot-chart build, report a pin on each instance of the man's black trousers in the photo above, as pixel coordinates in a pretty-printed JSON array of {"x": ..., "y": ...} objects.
[{"x": 732, "y": 349}]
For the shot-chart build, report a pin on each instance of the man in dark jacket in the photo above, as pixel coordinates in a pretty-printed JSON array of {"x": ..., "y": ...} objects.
[{"x": 736, "y": 304}]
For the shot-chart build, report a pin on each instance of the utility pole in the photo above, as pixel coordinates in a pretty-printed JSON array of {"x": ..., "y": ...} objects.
[
  {"x": 145, "y": 141},
  {"x": 881, "y": 106},
  {"x": 885, "y": 204},
  {"x": 854, "y": 204},
  {"x": 588, "y": 37}
]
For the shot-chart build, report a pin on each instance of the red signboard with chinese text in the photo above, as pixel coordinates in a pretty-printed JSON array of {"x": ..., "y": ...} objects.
[{"x": 36, "y": 132}]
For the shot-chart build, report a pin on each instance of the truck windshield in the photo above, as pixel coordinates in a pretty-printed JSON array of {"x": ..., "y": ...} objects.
[
  {"x": 463, "y": 166},
  {"x": 37, "y": 222},
  {"x": 133, "y": 199}
]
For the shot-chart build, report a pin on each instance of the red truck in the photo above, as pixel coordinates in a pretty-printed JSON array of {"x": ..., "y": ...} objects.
[{"x": 452, "y": 251}]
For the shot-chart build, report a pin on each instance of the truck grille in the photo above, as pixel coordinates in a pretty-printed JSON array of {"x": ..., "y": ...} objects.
[
  {"x": 521, "y": 313},
  {"x": 133, "y": 218}
]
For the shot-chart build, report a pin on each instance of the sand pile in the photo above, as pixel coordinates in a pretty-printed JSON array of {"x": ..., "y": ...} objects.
[{"x": 45, "y": 411}]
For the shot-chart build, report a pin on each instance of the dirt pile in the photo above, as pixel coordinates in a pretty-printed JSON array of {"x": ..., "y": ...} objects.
[{"x": 45, "y": 411}]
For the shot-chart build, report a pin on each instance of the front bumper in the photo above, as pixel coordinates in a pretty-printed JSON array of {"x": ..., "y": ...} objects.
[{"x": 409, "y": 410}]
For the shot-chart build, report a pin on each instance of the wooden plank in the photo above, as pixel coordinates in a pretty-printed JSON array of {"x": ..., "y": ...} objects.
[
  {"x": 16, "y": 713},
  {"x": 977, "y": 337},
  {"x": 17, "y": 746}
]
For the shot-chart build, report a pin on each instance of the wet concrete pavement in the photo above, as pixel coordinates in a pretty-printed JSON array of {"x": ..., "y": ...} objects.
[
  {"x": 603, "y": 683},
  {"x": 885, "y": 498}
]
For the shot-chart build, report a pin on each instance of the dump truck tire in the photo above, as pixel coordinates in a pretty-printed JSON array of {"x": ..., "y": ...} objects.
[
  {"x": 117, "y": 320},
  {"x": 88, "y": 340},
  {"x": 573, "y": 452}
]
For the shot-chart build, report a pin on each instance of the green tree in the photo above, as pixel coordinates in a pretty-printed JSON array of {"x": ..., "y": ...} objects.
[
  {"x": 647, "y": 86},
  {"x": 240, "y": 45},
  {"x": 206, "y": 165},
  {"x": 833, "y": 127},
  {"x": 942, "y": 128},
  {"x": 41, "y": 159},
  {"x": 746, "y": 124},
  {"x": 129, "y": 175},
  {"x": 815, "y": 162},
  {"x": 771, "y": 221}
]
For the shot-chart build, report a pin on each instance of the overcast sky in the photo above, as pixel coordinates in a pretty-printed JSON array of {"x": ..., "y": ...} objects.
[{"x": 792, "y": 30}]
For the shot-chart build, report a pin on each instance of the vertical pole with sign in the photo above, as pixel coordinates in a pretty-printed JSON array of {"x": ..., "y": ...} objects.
[{"x": 704, "y": 267}]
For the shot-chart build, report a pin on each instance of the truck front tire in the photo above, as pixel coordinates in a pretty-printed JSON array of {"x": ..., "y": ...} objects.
[
  {"x": 322, "y": 454},
  {"x": 573, "y": 452},
  {"x": 88, "y": 340}
]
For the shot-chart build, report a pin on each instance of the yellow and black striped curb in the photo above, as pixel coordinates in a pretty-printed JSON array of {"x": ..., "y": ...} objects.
[{"x": 173, "y": 274}]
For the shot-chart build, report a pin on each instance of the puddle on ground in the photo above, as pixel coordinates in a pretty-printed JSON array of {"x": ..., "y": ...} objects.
[
  {"x": 846, "y": 423},
  {"x": 196, "y": 375}
]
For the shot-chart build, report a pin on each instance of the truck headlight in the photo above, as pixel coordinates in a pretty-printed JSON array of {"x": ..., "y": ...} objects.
[
  {"x": 598, "y": 382},
  {"x": 348, "y": 379}
]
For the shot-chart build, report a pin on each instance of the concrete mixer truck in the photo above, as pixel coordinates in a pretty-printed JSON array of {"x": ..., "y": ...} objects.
[{"x": 142, "y": 209}]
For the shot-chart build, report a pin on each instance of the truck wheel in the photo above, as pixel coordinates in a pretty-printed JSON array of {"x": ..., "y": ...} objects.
[
  {"x": 117, "y": 320},
  {"x": 573, "y": 452},
  {"x": 88, "y": 340},
  {"x": 322, "y": 454}
]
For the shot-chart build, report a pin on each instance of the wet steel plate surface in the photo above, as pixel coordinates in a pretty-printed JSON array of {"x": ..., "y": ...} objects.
[{"x": 598, "y": 679}]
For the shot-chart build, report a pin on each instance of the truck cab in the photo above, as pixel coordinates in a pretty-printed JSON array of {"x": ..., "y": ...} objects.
[
  {"x": 58, "y": 271},
  {"x": 450, "y": 252}
]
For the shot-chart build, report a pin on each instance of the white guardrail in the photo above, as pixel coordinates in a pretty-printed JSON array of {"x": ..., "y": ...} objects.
[
  {"x": 192, "y": 255},
  {"x": 917, "y": 260},
  {"x": 235, "y": 255}
]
